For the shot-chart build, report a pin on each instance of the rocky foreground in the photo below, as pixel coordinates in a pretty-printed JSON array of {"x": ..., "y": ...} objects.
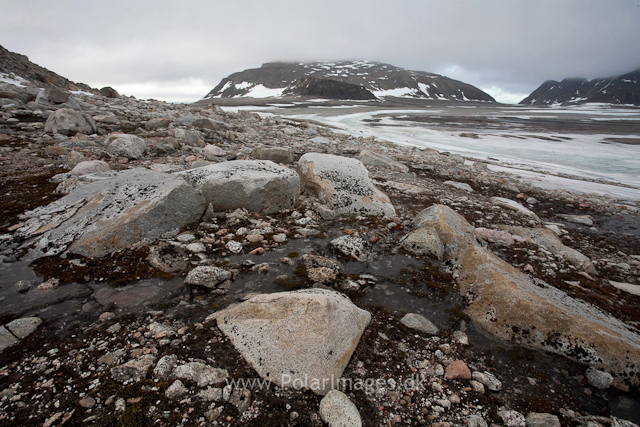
[{"x": 197, "y": 267}]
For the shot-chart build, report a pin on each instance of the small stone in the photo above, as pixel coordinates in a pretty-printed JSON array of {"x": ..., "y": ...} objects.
[
  {"x": 476, "y": 421},
  {"x": 201, "y": 374},
  {"x": 120, "y": 405},
  {"x": 185, "y": 238},
  {"x": 106, "y": 316},
  {"x": 24, "y": 327},
  {"x": 477, "y": 386},
  {"x": 420, "y": 323},
  {"x": 164, "y": 368},
  {"x": 255, "y": 238},
  {"x": 512, "y": 418},
  {"x": 210, "y": 394},
  {"x": 134, "y": 370},
  {"x": 338, "y": 411},
  {"x": 599, "y": 379},
  {"x": 241, "y": 399},
  {"x": 258, "y": 251},
  {"x": 207, "y": 276},
  {"x": 196, "y": 248},
  {"x": 22, "y": 286},
  {"x": 87, "y": 402},
  {"x": 488, "y": 380},
  {"x": 234, "y": 247},
  {"x": 176, "y": 391},
  {"x": 458, "y": 369},
  {"x": 352, "y": 246},
  {"x": 280, "y": 238},
  {"x": 535, "y": 419},
  {"x": 114, "y": 328}
]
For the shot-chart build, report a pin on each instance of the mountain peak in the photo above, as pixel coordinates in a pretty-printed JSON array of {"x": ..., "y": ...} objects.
[{"x": 277, "y": 79}]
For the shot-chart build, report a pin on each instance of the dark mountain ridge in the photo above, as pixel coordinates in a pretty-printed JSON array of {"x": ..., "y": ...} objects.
[
  {"x": 624, "y": 89},
  {"x": 277, "y": 79}
]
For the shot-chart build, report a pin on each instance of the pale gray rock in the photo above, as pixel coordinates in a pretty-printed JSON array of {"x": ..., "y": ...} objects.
[
  {"x": 6, "y": 338},
  {"x": 476, "y": 421},
  {"x": 201, "y": 374},
  {"x": 123, "y": 145},
  {"x": 210, "y": 394},
  {"x": 241, "y": 399},
  {"x": 134, "y": 370},
  {"x": 512, "y": 419},
  {"x": 207, "y": 276},
  {"x": 343, "y": 184},
  {"x": 372, "y": 158},
  {"x": 206, "y": 123},
  {"x": 283, "y": 155},
  {"x": 257, "y": 185},
  {"x": 22, "y": 286},
  {"x": 535, "y": 419},
  {"x": 168, "y": 258},
  {"x": 89, "y": 166},
  {"x": 176, "y": 391},
  {"x": 24, "y": 327},
  {"x": 577, "y": 219},
  {"x": 296, "y": 339},
  {"x": 455, "y": 233},
  {"x": 136, "y": 206},
  {"x": 69, "y": 122},
  {"x": 617, "y": 422},
  {"x": 211, "y": 152},
  {"x": 514, "y": 206},
  {"x": 488, "y": 380},
  {"x": 599, "y": 379},
  {"x": 72, "y": 159},
  {"x": 423, "y": 241},
  {"x": 627, "y": 287},
  {"x": 165, "y": 366},
  {"x": 547, "y": 239},
  {"x": 460, "y": 186},
  {"x": 353, "y": 247},
  {"x": 419, "y": 323},
  {"x": 157, "y": 123},
  {"x": 337, "y": 410}
]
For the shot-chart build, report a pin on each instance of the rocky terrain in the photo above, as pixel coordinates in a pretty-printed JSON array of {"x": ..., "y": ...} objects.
[
  {"x": 173, "y": 264},
  {"x": 279, "y": 79},
  {"x": 624, "y": 89}
]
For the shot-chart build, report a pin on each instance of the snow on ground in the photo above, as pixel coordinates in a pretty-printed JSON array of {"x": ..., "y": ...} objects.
[
  {"x": 16, "y": 80},
  {"x": 261, "y": 91}
]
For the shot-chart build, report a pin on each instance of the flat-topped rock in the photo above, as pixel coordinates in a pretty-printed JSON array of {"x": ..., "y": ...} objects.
[
  {"x": 256, "y": 185},
  {"x": 343, "y": 184},
  {"x": 135, "y": 206},
  {"x": 300, "y": 339}
]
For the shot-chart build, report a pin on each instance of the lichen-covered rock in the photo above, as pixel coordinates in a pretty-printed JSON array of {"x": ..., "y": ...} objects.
[
  {"x": 69, "y": 122},
  {"x": 122, "y": 145},
  {"x": 207, "y": 275},
  {"x": 257, "y": 185},
  {"x": 343, "y": 184},
  {"x": 353, "y": 247},
  {"x": 135, "y": 206},
  {"x": 300, "y": 339}
]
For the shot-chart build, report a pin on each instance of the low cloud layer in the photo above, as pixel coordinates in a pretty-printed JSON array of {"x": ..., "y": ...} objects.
[{"x": 179, "y": 51}]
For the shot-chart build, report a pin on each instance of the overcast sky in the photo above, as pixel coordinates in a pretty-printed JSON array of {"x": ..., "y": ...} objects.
[{"x": 178, "y": 51}]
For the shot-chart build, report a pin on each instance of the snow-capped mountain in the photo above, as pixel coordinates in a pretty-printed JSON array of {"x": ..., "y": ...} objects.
[
  {"x": 278, "y": 79},
  {"x": 623, "y": 89}
]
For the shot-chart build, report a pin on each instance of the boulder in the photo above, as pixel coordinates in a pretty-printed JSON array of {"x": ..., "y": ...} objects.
[
  {"x": 343, "y": 184},
  {"x": 135, "y": 206},
  {"x": 157, "y": 123},
  {"x": 352, "y": 246},
  {"x": 7, "y": 339},
  {"x": 211, "y": 152},
  {"x": 372, "y": 158},
  {"x": 509, "y": 305},
  {"x": 423, "y": 241},
  {"x": 69, "y": 122},
  {"x": 24, "y": 327},
  {"x": 282, "y": 155},
  {"x": 109, "y": 92},
  {"x": 257, "y": 185},
  {"x": 53, "y": 95},
  {"x": 547, "y": 239},
  {"x": 207, "y": 275},
  {"x": 300, "y": 339},
  {"x": 338, "y": 411},
  {"x": 205, "y": 123},
  {"x": 72, "y": 159},
  {"x": 123, "y": 145},
  {"x": 90, "y": 166},
  {"x": 514, "y": 206}
]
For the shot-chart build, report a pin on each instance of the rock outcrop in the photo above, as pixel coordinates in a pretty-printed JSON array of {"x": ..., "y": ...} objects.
[
  {"x": 258, "y": 185},
  {"x": 137, "y": 205},
  {"x": 300, "y": 339},
  {"x": 343, "y": 184},
  {"x": 511, "y": 306}
]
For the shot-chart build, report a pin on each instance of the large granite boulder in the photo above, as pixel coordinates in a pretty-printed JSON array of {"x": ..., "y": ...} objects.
[
  {"x": 343, "y": 184},
  {"x": 136, "y": 206},
  {"x": 69, "y": 122},
  {"x": 511, "y": 306},
  {"x": 300, "y": 339},
  {"x": 257, "y": 185}
]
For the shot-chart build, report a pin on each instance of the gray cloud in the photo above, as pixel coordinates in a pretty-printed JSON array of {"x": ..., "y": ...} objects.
[{"x": 179, "y": 51}]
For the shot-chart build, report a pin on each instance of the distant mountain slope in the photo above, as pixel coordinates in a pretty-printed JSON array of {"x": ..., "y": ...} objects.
[
  {"x": 20, "y": 66},
  {"x": 281, "y": 78},
  {"x": 623, "y": 89}
]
